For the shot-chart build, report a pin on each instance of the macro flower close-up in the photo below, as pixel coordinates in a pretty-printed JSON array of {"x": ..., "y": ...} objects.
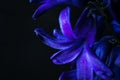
[
  {"x": 76, "y": 44},
  {"x": 91, "y": 46},
  {"x": 60, "y": 40},
  {"x": 69, "y": 40}
]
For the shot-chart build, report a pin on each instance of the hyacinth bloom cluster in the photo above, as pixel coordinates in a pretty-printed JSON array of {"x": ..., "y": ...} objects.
[
  {"x": 75, "y": 44},
  {"x": 94, "y": 59}
]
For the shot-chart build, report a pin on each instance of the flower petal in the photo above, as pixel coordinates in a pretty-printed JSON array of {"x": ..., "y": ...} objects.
[
  {"x": 68, "y": 75},
  {"x": 69, "y": 54},
  {"x": 83, "y": 24},
  {"x": 91, "y": 36},
  {"x": 113, "y": 55},
  {"x": 41, "y": 9},
  {"x": 65, "y": 24},
  {"x": 58, "y": 34},
  {"x": 116, "y": 27},
  {"x": 103, "y": 50},
  {"x": 84, "y": 68},
  {"x": 117, "y": 61},
  {"x": 100, "y": 68},
  {"x": 52, "y": 42},
  {"x": 102, "y": 47}
]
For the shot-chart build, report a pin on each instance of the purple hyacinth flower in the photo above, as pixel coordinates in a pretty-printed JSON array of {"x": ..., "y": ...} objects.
[
  {"x": 68, "y": 40},
  {"x": 75, "y": 44},
  {"x": 48, "y": 4}
]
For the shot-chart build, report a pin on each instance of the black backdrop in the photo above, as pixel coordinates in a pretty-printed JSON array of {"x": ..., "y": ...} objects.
[{"x": 22, "y": 55}]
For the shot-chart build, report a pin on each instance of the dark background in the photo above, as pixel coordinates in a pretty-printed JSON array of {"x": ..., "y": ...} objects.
[{"x": 22, "y": 55}]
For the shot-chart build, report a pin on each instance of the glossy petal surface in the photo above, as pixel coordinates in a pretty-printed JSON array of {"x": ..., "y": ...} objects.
[
  {"x": 65, "y": 25},
  {"x": 116, "y": 27}
]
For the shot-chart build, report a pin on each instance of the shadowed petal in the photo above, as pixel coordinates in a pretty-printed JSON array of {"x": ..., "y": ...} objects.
[
  {"x": 106, "y": 38},
  {"x": 116, "y": 71},
  {"x": 117, "y": 61},
  {"x": 91, "y": 36},
  {"x": 52, "y": 42},
  {"x": 116, "y": 27},
  {"x": 103, "y": 50},
  {"x": 113, "y": 55},
  {"x": 68, "y": 75},
  {"x": 103, "y": 47},
  {"x": 84, "y": 24},
  {"x": 69, "y": 54},
  {"x": 65, "y": 25}
]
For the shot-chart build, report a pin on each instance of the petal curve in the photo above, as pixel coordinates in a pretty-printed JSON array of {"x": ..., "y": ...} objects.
[
  {"x": 52, "y": 42},
  {"x": 69, "y": 54},
  {"x": 65, "y": 25}
]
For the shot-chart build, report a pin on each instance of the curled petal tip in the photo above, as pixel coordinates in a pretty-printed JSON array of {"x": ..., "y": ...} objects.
[
  {"x": 37, "y": 30},
  {"x": 41, "y": 9},
  {"x": 116, "y": 26}
]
